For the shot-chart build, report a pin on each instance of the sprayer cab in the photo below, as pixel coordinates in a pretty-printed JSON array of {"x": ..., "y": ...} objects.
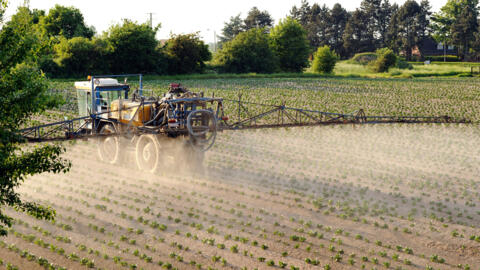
[{"x": 105, "y": 91}]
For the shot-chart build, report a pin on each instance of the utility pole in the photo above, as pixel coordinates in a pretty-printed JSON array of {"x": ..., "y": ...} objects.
[
  {"x": 214, "y": 41},
  {"x": 151, "y": 19}
]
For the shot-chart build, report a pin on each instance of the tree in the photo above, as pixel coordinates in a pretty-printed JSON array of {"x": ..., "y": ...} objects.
[
  {"x": 22, "y": 93},
  {"x": 424, "y": 24},
  {"x": 384, "y": 18},
  {"x": 377, "y": 19},
  {"x": 324, "y": 60},
  {"x": 81, "y": 56},
  {"x": 371, "y": 10},
  {"x": 456, "y": 22},
  {"x": 258, "y": 19},
  {"x": 356, "y": 37},
  {"x": 441, "y": 26},
  {"x": 232, "y": 28},
  {"x": 186, "y": 54},
  {"x": 409, "y": 27},
  {"x": 3, "y": 6},
  {"x": 476, "y": 45},
  {"x": 67, "y": 22},
  {"x": 248, "y": 52},
  {"x": 289, "y": 43},
  {"x": 337, "y": 21},
  {"x": 37, "y": 15},
  {"x": 134, "y": 48},
  {"x": 315, "y": 20},
  {"x": 25, "y": 20},
  {"x": 317, "y": 26},
  {"x": 465, "y": 25},
  {"x": 303, "y": 15}
]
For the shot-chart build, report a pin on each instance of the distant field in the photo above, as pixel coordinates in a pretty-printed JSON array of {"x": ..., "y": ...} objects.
[
  {"x": 344, "y": 68},
  {"x": 455, "y": 97}
]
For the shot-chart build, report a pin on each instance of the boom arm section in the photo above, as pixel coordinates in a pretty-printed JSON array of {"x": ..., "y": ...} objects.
[{"x": 271, "y": 116}]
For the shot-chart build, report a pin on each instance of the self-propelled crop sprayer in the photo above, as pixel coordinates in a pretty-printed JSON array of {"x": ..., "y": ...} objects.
[{"x": 127, "y": 125}]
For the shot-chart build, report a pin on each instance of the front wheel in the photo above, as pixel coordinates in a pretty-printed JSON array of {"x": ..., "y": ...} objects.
[
  {"x": 147, "y": 153},
  {"x": 108, "y": 144}
]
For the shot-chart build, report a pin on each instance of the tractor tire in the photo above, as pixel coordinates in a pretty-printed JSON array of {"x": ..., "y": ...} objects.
[
  {"x": 108, "y": 146},
  {"x": 147, "y": 153}
]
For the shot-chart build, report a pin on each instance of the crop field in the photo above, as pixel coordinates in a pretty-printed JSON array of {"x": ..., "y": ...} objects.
[
  {"x": 332, "y": 197},
  {"x": 455, "y": 97}
]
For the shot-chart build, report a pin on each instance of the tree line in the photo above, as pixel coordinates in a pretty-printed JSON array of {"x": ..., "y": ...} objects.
[
  {"x": 67, "y": 47},
  {"x": 377, "y": 24}
]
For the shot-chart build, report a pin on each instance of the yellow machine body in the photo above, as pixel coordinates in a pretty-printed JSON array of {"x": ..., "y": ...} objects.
[{"x": 130, "y": 112}]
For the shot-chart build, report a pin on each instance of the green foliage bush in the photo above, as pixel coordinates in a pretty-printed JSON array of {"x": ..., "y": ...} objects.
[
  {"x": 134, "y": 49},
  {"x": 80, "y": 56},
  {"x": 402, "y": 64},
  {"x": 324, "y": 60},
  {"x": 386, "y": 59},
  {"x": 249, "y": 51},
  {"x": 67, "y": 22},
  {"x": 439, "y": 58},
  {"x": 186, "y": 54},
  {"x": 290, "y": 44},
  {"x": 364, "y": 58},
  {"x": 49, "y": 66},
  {"x": 23, "y": 92}
]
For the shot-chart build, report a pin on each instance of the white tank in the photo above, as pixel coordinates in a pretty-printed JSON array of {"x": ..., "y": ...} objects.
[{"x": 97, "y": 82}]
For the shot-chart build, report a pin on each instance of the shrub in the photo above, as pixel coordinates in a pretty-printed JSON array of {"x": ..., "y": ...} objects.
[
  {"x": 364, "y": 58},
  {"x": 249, "y": 51},
  {"x": 324, "y": 60},
  {"x": 289, "y": 42},
  {"x": 439, "y": 58},
  {"x": 49, "y": 66},
  {"x": 186, "y": 54},
  {"x": 402, "y": 64},
  {"x": 134, "y": 49},
  {"x": 386, "y": 59},
  {"x": 79, "y": 56}
]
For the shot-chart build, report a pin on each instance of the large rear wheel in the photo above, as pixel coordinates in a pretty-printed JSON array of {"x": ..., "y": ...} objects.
[
  {"x": 108, "y": 146},
  {"x": 202, "y": 129},
  {"x": 147, "y": 153}
]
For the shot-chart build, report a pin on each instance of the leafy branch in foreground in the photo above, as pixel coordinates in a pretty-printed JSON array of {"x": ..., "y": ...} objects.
[{"x": 23, "y": 92}]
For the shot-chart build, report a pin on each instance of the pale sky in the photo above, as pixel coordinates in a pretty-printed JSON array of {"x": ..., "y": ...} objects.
[{"x": 181, "y": 16}]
